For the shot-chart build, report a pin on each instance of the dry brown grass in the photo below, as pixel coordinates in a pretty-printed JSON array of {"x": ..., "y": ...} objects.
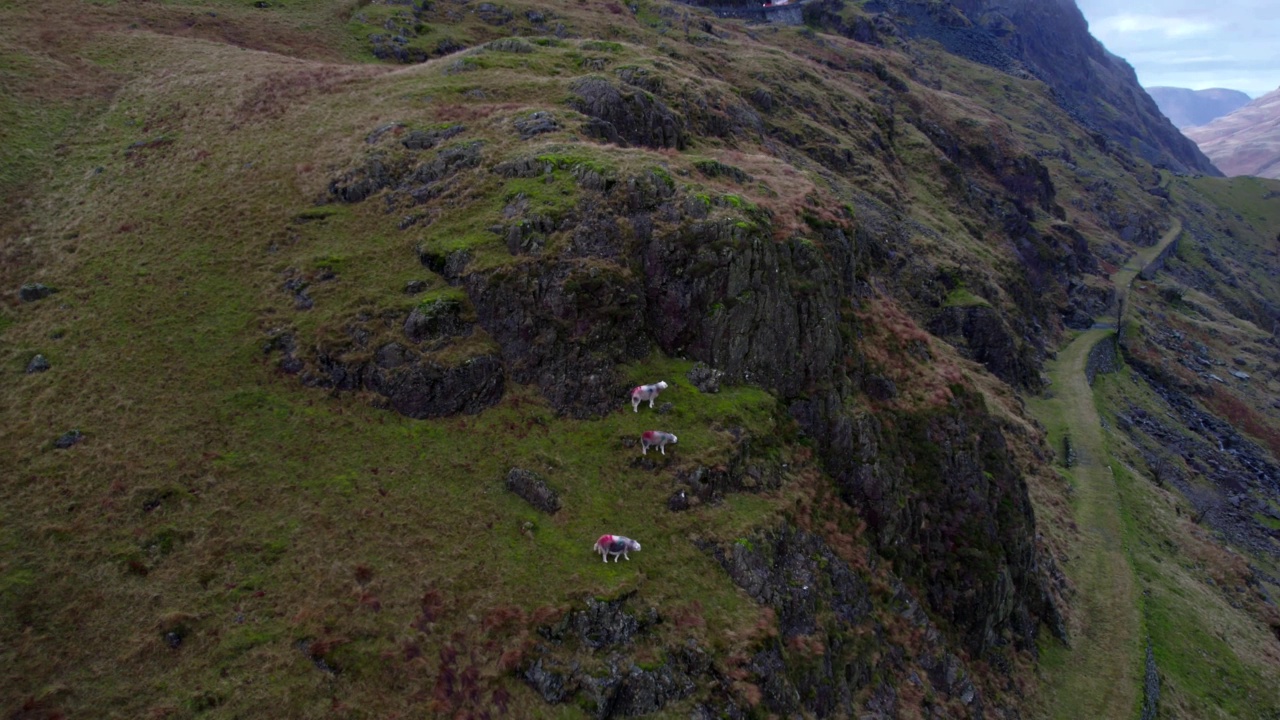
[
  {"x": 1226, "y": 405},
  {"x": 922, "y": 367}
]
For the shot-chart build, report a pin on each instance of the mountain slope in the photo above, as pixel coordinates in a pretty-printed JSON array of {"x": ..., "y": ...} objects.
[
  {"x": 1049, "y": 40},
  {"x": 1247, "y": 141},
  {"x": 337, "y": 338},
  {"x": 1188, "y": 108}
]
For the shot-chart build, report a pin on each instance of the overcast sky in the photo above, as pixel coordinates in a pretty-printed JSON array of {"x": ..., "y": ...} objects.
[{"x": 1194, "y": 44}]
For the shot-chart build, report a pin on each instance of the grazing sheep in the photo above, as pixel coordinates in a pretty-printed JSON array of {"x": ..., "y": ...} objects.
[
  {"x": 656, "y": 438},
  {"x": 615, "y": 545},
  {"x": 646, "y": 392}
]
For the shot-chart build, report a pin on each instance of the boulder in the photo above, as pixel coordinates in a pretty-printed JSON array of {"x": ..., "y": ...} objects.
[
  {"x": 68, "y": 438},
  {"x": 533, "y": 489},
  {"x": 35, "y": 291}
]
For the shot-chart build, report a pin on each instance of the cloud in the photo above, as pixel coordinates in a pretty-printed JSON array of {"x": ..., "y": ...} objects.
[
  {"x": 1171, "y": 28},
  {"x": 1192, "y": 43}
]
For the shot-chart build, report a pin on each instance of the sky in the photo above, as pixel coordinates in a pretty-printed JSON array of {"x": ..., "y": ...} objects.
[{"x": 1195, "y": 44}]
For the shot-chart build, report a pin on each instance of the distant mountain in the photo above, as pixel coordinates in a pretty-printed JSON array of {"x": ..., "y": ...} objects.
[
  {"x": 1246, "y": 142},
  {"x": 1188, "y": 108}
]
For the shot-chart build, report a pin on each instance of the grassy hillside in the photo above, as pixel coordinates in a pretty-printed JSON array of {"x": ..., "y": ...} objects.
[{"x": 226, "y": 534}]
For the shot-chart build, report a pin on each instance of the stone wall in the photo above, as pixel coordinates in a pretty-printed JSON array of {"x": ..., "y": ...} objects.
[
  {"x": 1156, "y": 265},
  {"x": 1103, "y": 358}
]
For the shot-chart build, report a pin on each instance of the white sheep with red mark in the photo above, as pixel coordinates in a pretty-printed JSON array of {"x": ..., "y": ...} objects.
[
  {"x": 646, "y": 392},
  {"x": 615, "y": 545},
  {"x": 656, "y": 438}
]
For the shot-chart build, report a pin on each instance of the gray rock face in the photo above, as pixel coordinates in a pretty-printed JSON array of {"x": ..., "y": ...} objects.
[
  {"x": 413, "y": 182},
  {"x": 637, "y": 263},
  {"x": 38, "y": 364},
  {"x": 359, "y": 183},
  {"x": 987, "y": 338},
  {"x": 740, "y": 472},
  {"x": 1223, "y": 462},
  {"x": 533, "y": 489},
  {"x": 975, "y": 557},
  {"x": 603, "y": 623},
  {"x": 618, "y": 687},
  {"x": 761, "y": 311},
  {"x": 536, "y": 124},
  {"x": 799, "y": 576},
  {"x": 414, "y": 384},
  {"x": 426, "y": 389},
  {"x": 435, "y": 321},
  {"x": 564, "y": 327},
  {"x": 705, "y": 378},
  {"x": 626, "y": 115},
  {"x": 427, "y": 139},
  {"x": 817, "y": 595},
  {"x": 1103, "y": 358}
]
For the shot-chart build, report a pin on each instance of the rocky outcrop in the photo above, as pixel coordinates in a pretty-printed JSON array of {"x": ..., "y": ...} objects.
[
  {"x": 413, "y": 180},
  {"x": 799, "y": 576},
  {"x": 763, "y": 312},
  {"x": 626, "y": 114},
  {"x": 424, "y": 388},
  {"x": 414, "y": 383},
  {"x": 817, "y": 596},
  {"x": 69, "y": 439},
  {"x": 533, "y": 489},
  {"x": 742, "y": 471},
  {"x": 637, "y": 262},
  {"x": 586, "y": 658},
  {"x": 705, "y": 378},
  {"x": 946, "y": 503},
  {"x": 983, "y": 334},
  {"x": 565, "y": 327}
]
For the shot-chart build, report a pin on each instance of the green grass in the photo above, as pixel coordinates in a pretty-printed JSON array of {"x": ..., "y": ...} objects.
[
  {"x": 259, "y": 525},
  {"x": 963, "y": 297}
]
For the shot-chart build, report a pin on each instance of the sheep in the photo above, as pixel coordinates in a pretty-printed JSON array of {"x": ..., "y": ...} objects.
[
  {"x": 646, "y": 392},
  {"x": 615, "y": 545},
  {"x": 658, "y": 439}
]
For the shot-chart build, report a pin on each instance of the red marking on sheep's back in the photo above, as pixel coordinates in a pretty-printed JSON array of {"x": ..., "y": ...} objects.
[
  {"x": 604, "y": 541},
  {"x": 649, "y": 434}
]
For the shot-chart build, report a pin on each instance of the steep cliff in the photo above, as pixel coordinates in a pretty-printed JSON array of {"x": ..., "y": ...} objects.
[{"x": 1050, "y": 40}]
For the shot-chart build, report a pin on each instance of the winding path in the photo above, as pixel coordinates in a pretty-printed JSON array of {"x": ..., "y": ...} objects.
[{"x": 1102, "y": 676}]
